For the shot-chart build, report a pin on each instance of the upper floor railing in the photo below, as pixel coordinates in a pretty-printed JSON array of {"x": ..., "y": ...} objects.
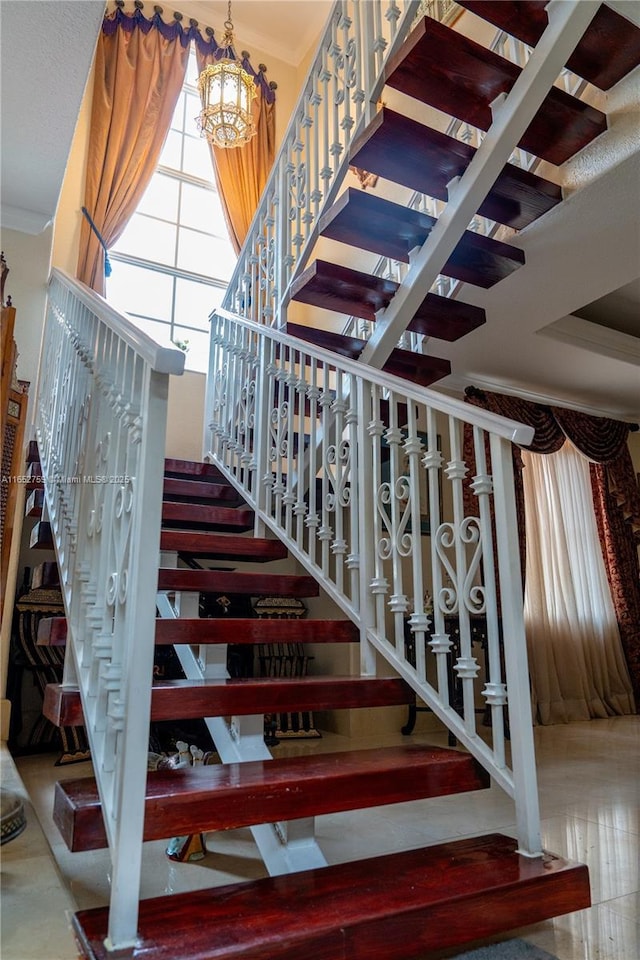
[
  {"x": 338, "y": 98},
  {"x": 385, "y": 492},
  {"x": 100, "y": 425}
]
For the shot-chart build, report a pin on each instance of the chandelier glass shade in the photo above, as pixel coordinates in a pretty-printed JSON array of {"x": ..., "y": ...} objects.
[{"x": 227, "y": 92}]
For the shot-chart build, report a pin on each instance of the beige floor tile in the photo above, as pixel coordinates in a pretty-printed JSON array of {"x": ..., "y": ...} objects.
[{"x": 589, "y": 790}]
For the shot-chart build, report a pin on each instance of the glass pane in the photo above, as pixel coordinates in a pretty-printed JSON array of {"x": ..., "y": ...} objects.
[
  {"x": 197, "y": 159},
  {"x": 161, "y": 198},
  {"x": 197, "y": 356},
  {"x": 192, "y": 69},
  {"x": 132, "y": 289},
  {"x": 171, "y": 155},
  {"x": 210, "y": 256},
  {"x": 193, "y": 106},
  {"x": 202, "y": 210},
  {"x": 148, "y": 238},
  {"x": 195, "y": 301}
]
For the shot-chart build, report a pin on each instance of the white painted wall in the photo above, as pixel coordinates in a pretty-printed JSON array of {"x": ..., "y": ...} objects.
[{"x": 28, "y": 258}]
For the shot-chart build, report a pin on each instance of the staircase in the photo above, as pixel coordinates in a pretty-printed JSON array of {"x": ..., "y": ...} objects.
[
  {"x": 452, "y": 74},
  {"x": 378, "y": 900},
  {"x": 325, "y": 447}
]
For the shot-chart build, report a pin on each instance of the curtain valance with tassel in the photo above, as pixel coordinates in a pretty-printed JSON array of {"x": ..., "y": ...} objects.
[
  {"x": 207, "y": 45},
  {"x": 140, "y": 68},
  {"x": 598, "y": 438}
]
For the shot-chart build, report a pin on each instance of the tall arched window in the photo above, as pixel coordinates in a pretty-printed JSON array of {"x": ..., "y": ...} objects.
[{"x": 171, "y": 265}]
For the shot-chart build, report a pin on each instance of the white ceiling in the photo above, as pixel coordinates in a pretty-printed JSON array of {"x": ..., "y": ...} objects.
[
  {"x": 46, "y": 50},
  {"x": 285, "y": 28},
  {"x": 566, "y": 327}
]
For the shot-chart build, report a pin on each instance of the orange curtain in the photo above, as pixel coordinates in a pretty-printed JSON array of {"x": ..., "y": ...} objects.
[
  {"x": 241, "y": 173},
  {"x": 138, "y": 78}
]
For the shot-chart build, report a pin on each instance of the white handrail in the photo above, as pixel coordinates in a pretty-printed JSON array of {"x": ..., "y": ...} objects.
[
  {"x": 510, "y": 430},
  {"x": 101, "y": 408},
  {"x": 370, "y": 482},
  {"x": 161, "y": 357}
]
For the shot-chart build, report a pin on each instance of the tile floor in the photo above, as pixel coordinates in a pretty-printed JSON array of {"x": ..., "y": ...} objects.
[{"x": 589, "y": 775}]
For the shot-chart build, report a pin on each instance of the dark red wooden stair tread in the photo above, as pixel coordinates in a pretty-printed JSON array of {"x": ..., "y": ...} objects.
[
  {"x": 418, "y": 367},
  {"x": 453, "y": 73},
  {"x": 608, "y": 51},
  {"x": 34, "y": 504},
  {"x": 222, "y": 518},
  {"x": 410, "y": 153},
  {"x": 41, "y": 536},
  {"x": 188, "y": 699},
  {"x": 223, "y": 797},
  {"x": 372, "y": 223},
  {"x": 255, "y": 631},
  {"x": 220, "y": 546},
  {"x": 194, "y": 469},
  {"x": 199, "y": 489},
  {"x": 370, "y": 909},
  {"x": 230, "y": 581},
  {"x": 52, "y": 631},
  {"x": 333, "y": 286}
]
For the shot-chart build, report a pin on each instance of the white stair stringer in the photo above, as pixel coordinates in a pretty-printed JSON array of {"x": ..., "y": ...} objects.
[{"x": 285, "y": 847}]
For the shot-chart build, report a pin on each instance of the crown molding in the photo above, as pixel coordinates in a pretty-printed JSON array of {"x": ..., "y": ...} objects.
[
  {"x": 456, "y": 384},
  {"x": 595, "y": 338},
  {"x": 24, "y": 221}
]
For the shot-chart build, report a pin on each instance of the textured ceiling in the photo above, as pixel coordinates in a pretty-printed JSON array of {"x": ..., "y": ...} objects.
[{"x": 45, "y": 57}]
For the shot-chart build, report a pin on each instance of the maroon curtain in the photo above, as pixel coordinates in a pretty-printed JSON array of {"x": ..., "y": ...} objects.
[
  {"x": 617, "y": 507},
  {"x": 616, "y": 497}
]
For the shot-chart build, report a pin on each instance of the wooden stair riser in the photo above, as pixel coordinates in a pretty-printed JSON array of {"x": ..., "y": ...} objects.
[
  {"x": 222, "y": 797},
  {"x": 198, "y": 516},
  {"x": 193, "y": 699},
  {"x": 229, "y": 581},
  {"x": 393, "y": 907},
  {"x": 199, "y": 491},
  {"x": 608, "y": 51},
  {"x": 218, "y": 546},
  {"x": 184, "y": 469},
  {"x": 52, "y": 631},
  {"x": 372, "y": 223},
  {"x": 446, "y": 70},
  {"x": 412, "y": 154}
]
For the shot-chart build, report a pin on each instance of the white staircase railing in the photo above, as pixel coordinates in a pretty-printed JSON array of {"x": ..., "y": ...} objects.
[
  {"x": 364, "y": 477},
  {"x": 100, "y": 425},
  {"x": 337, "y": 100}
]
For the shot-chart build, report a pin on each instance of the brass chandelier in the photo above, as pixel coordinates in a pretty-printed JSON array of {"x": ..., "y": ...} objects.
[{"x": 227, "y": 92}]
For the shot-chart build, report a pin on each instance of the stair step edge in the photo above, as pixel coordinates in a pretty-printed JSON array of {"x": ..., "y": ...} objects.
[
  {"x": 222, "y": 797},
  {"x": 433, "y": 898},
  {"x": 52, "y": 631}
]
